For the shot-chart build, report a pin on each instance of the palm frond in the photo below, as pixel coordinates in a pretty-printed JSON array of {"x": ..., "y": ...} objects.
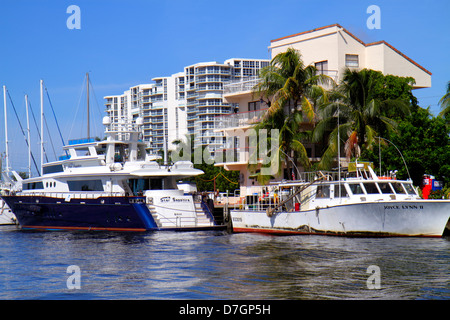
[
  {"x": 301, "y": 152},
  {"x": 444, "y": 102}
]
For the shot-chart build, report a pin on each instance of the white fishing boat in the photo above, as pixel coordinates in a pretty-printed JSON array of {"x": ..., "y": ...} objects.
[{"x": 358, "y": 204}]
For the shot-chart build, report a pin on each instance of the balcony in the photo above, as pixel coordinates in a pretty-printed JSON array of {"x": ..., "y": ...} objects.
[
  {"x": 238, "y": 120},
  {"x": 244, "y": 85},
  {"x": 235, "y": 156}
]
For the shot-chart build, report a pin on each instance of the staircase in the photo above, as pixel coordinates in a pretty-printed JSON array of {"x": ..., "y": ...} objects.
[
  {"x": 198, "y": 218},
  {"x": 201, "y": 217}
]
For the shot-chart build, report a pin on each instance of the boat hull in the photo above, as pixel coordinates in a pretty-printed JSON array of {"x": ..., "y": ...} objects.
[
  {"x": 395, "y": 218},
  {"x": 103, "y": 214},
  {"x": 99, "y": 214}
]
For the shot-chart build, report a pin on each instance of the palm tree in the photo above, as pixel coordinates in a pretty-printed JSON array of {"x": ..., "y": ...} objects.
[
  {"x": 445, "y": 102},
  {"x": 361, "y": 115},
  {"x": 291, "y": 91}
]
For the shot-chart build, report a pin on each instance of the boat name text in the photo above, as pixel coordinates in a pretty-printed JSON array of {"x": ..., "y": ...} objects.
[
  {"x": 167, "y": 199},
  {"x": 403, "y": 207}
]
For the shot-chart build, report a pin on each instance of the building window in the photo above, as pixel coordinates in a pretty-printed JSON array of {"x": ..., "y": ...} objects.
[
  {"x": 351, "y": 60},
  {"x": 322, "y": 67},
  {"x": 254, "y": 105}
]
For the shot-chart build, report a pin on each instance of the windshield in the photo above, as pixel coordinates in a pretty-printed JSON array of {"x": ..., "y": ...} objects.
[{"x": 409, "y": 188}]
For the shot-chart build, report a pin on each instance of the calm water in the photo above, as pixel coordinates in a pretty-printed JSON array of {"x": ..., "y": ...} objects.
[{"x": 218, "y": 265}]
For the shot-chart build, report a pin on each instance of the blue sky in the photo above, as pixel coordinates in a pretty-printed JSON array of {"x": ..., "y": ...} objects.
[{"x": 124, "y": 43}]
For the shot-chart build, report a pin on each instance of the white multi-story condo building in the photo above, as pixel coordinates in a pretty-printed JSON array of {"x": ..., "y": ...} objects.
[
  {"x": 331, "y": 49},
  {"x": 204, "y": 96},
  {"x": 183, "y": 104}
]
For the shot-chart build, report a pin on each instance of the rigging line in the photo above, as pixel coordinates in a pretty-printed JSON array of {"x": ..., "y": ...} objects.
[
  {"x": 21, "y": 128},
  {"x": 78, "y": 106},
  {"x": 96, "y": 102},
  {"x": 54, "y": 116},
  {"x": 50, "y": 137},
  {"x": 37, "y": 128}
]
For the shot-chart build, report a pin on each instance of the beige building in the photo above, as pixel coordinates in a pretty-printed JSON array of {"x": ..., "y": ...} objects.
[{"x": 331, "y": 49}]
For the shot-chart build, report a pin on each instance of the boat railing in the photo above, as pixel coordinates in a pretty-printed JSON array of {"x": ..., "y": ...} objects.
[
  {"x": 178, "y": 222},
  {"x": 264, "y": 202},
  {"x": 328, "y": 176},
  {"x": 72, "y": 195},
  {"x": 284, "y": 198}
]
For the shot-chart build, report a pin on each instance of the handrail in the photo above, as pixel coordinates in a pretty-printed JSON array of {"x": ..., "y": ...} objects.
[
  {"x": 270, "y": 211},
  {"x": 80, "y": 195},
  {"x": 206, "y": 210}
]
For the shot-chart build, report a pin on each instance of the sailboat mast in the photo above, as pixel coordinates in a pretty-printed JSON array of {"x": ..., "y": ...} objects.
[
  {"x": 42, "y": 126},
  {"x": 87, "y": 87},
  {"x": 6, "y": 131},
  {"x": 29, "y": 138}
]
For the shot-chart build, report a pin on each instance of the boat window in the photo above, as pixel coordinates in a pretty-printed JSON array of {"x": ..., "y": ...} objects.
[
  {"x": 156, "y": 184},
  {"x": 170, "y": 183},
  {"x": 138, "y": 186},
  {"x": 85, "y": 185},
  {"x": 33, "y": 185},
  {"x": 142, "y": 184},
  {"x": 371, "y": 188},
  {"x": 343, "y": 191},
  {"x": 323, "y": 192},
  {"x": 409, "y": 188},
  {"x": 82, "y": 152},
  {"x": 356, "y": 188},
  {"x": 385, "y": 188},
  {"x": 398, "y": 188},
  {"x": 53, "y": 169},
  {"x": 120, "y": 154}
]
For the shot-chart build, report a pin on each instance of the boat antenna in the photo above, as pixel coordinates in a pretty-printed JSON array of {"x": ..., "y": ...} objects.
[{"x": 404, "y": 162}]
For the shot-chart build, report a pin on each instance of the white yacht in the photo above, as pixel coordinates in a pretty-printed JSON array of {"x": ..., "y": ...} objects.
[
  {"x": 361, "y": 204},
  {"x": 110, "y": 185}
]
